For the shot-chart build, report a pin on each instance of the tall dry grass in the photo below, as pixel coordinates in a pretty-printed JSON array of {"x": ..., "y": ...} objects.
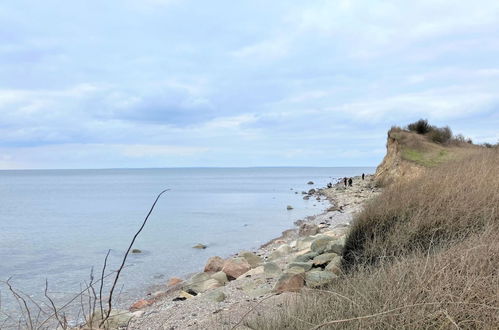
[
  {"x": 446, "y": 205},
  {"x": 423, "y": 255}
]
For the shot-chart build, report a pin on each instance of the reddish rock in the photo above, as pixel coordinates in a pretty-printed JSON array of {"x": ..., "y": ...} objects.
[
  {"x": 292, "y": 282},
  {"x": 214, "y": 264},
  {"x": 235, "y": 267},
  {"x": 143, "y": 303},
  {"x": 174, "y": 281}
]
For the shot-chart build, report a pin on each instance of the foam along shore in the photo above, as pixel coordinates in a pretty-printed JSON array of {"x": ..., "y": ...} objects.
[{"x": 227, "y": 290}]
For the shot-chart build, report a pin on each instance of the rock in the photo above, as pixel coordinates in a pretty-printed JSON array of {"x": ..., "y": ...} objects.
[
  {"x": 306, "y": 257},
  {"x": 235, "y": 267},
  {"x": 324, "y": 259},
  {"x": 311, "y": 191},
  {"x": 271, "y": 269},
  {"x": 256, "y": 287},
  {"x": 136, "y": 251},
  {"x": 214, "y": 264},
  {"x": 310, "y": 182},
  {"x": 142, "y": 303},
  {"x": 174, "y": 281},
  {"x": 200, "y": 246},
  {"x": 316, "y": 278},
  {"x": 221, "y": 277},
  {"x": 335, "y": 266},
  {"x": 201, "y": 282},
  {"x": 184, "y": 295},
  {"x": 319, "y": 244},
  {"x": 306, "y": 198},
  {"x": 335, "y": 246},
  {"x": 307, "y": 229},
  {"x": 251, "y": 258},
  {"x": 289, "y": 281},
  {"x": 289, "y": 207},
  {"x": 303, "y": 192},
  {"x": 304, "y": 243},
  {"x": 306, "y": 266},
  {"x": 117, "y": 319},
  {"x": 281, "y": 251},
  {"x": 253, "y": 272},
  {"x": 216, "y": 295}
]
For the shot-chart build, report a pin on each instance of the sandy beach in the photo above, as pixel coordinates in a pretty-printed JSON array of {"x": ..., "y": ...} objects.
[{"x": 225, "y": 304}]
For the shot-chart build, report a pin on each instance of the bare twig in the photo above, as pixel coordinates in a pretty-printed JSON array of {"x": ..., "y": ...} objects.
[
  {"x": 109, "y": 301},
  {"x": 53, "y": 305},
  {"x": 20, "y": 299},
  {"x": 102, "y": 283}
]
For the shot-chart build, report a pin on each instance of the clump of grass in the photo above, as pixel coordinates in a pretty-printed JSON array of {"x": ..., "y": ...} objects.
[{"x": 423, "y": 255}]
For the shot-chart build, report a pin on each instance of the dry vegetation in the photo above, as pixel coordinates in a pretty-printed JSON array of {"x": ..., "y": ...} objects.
[{"x": 424, "y": 254}]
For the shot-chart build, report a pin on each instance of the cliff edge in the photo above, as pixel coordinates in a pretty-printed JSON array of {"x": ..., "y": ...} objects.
[{"x": 408, "y": 154}]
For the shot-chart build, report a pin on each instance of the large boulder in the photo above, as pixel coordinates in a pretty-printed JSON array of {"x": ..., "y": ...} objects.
[
  {"x": 251, "y": 258},
  {"x": 117, "y": 319},
  {"x": 306, "y": 266},
  {"x": 280, "y": 252},
  {"x": 235, "y": 267},
  {"x": 216, "y": 295},
  {"x": 336, "y": 246},
  {"x": 256, "y": 287},
  {"x": 221, "y": 277},
  {"x": 320, "y": 244},
  {"x": 253, "y": 272},
  {"x": 214, "y": 264},
  {"x": 324, "y": 259},
  {"x": 304, "y": 243},
  {"x": 201, "y": 282},
  {"x": 271, "y": 269},
  {"x": 306, "y": 257},
  {"x": 317, "y": 278},
  {"x": 290, "y": 281},
  {"x": 335, "y": 266}
]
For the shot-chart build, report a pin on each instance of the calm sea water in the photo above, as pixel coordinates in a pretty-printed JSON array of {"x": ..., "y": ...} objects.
[{"x": 57, "y": 224}]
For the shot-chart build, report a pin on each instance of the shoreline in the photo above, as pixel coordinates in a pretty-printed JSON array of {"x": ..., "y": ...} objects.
[{"x": 224, "y": 303}]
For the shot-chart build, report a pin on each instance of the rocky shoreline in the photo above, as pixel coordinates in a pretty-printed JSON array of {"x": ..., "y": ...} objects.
[{"x": 305, "y": 257}]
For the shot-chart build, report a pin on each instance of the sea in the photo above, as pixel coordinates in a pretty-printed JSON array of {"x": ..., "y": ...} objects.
[{"x": 56, "y": 226}]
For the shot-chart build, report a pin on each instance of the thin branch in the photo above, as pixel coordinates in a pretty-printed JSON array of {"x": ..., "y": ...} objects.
[
  {"x": 53, "y": 305},
  {"x": 102, "y": 283},
  {"x": 109, "y": 301}
]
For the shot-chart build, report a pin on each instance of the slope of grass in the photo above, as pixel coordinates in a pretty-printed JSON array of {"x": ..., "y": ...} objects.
[{"x": 423, "y": 255}]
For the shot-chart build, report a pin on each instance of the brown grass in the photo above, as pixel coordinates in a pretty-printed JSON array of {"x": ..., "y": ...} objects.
[{"x": 423, "y": 255}]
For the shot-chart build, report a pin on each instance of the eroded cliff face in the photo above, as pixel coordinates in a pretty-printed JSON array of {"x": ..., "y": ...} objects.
[{"x": 394, "y": 167}]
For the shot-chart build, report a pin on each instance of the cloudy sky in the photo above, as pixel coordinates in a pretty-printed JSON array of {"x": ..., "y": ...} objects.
[{"x": 166, "y": 83}]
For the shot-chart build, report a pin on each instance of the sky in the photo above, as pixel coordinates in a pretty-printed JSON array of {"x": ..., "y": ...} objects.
[{"x": 181, "y": 83}]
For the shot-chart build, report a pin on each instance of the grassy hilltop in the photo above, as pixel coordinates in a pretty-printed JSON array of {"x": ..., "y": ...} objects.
[{"x": 424, "y": 253}]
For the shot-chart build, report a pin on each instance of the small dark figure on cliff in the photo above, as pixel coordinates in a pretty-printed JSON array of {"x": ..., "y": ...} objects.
[
  {"x": 350, "y": 181},
  {"x": 363, "y": 176},
  {"x": 330, "y": 185},
  {"x": 345, "y": 181}
]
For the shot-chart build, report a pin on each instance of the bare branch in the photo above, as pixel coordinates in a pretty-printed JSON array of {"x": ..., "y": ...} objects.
[{"x": 109, "y": 302}]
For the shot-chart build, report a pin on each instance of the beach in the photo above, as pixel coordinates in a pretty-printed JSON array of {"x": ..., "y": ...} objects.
[{"x": 226, "y": 305}]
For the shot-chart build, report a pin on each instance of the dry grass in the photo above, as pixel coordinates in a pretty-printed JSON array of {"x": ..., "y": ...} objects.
[{"x": 424, "y": 254}]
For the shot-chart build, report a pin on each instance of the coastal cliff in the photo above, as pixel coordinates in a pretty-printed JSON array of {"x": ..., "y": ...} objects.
[
  {"x": 409, "y": 154},
  {"x": 394, "y": 166}
]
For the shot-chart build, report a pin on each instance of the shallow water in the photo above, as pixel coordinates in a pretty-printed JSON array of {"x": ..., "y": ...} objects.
[{"x": 57, "y": 224}]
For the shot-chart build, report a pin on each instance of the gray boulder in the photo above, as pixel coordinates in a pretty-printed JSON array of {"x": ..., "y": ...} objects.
[{"x": 317, "y": 278}]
